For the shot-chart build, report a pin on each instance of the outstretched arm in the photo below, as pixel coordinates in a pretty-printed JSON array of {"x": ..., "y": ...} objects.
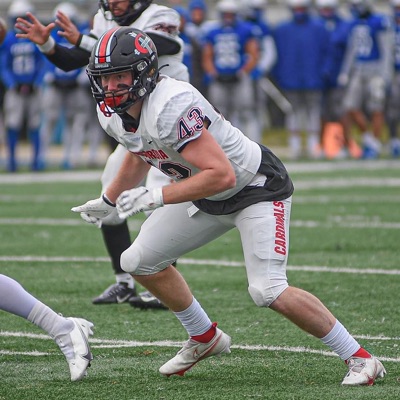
[
  {"x": 64, "y": 58},
  {"x": 31, "y": 28}
]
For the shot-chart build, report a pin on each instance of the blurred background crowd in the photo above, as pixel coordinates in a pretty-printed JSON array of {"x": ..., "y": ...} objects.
[{"x": 324, "y": 74}]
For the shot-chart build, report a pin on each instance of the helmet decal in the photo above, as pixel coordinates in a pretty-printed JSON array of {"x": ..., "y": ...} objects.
[
  {"x": 103, "y": 47},
  {"x": 142, "y": 43}
]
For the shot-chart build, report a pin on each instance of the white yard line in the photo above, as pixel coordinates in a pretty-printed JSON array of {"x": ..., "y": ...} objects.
[
  {"x": 292, "y": 167},
  {"x": 118, "y": 344},
  {"x": 134, "y": 225},
  {"x": 192, "y": 261}
]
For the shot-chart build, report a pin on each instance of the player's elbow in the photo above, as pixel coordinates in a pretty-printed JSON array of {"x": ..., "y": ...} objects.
[{"x": 227, "y": 181}]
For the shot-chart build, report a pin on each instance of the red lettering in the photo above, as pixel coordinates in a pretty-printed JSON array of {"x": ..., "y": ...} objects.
[
  {"x": 280, "y": 250},
  {"x": 153, "y": 154},
  {"x": 280, "y": 234}
]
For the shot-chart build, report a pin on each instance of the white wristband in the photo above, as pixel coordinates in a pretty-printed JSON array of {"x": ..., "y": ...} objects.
[
  {"x": 47, "y": 46},
  {"x": 158, "y": 196},
  {"x": 87, "y": 43}
]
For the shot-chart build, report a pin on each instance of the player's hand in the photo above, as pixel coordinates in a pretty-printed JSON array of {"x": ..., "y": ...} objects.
[
  {"x": 69, "y": 30},
  {"x": 137, "y": 200},
  {"x": 95, "y": 211},
  {"x": 31, "y": 28}
]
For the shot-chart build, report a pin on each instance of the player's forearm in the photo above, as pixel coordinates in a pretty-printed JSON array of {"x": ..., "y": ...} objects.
[
  {"x": 69, "y": 59},
  {"x": 131, "y": 173},
  {"x": 204, "y": 184}
]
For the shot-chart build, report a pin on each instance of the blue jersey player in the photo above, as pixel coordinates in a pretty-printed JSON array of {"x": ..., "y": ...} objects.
[{"x": 366, "y": 72}]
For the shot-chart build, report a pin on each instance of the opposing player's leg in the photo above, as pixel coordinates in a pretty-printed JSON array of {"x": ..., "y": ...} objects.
[
  {"x": 70, "y": 334},
  {"x": 266, "y": 260},
  {"x": 149, "y": 259}
]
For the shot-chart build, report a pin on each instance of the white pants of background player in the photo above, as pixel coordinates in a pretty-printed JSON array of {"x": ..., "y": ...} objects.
[{"x": 176, "y": 229}]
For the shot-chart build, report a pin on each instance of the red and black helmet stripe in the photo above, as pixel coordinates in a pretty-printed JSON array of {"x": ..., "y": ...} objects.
[{"x": 103, "y": 48}]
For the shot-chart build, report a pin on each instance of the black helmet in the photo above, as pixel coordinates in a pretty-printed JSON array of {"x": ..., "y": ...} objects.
[
  {"x": 135, "y": 8},
  {"x": 119, "y": 50}
]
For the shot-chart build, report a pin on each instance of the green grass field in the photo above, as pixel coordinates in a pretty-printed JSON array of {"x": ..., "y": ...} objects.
[{"x": 344, "y": 248}]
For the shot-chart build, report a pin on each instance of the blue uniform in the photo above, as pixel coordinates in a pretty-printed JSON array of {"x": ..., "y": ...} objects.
[
  {"x": 301, "y": 48},
  {"x": 231, "y": 89},
  {"x": 229, "y": 43},
  {"x": 337, "y": 48},
  {"x": 21, "y": 61},
  {"x": 332, "y": 109},
  {"x": 367, "y": 70},
  {"x": 22, "y": 73},
  {"x": 393, "y": 103},
  {"x": 302, "y": 45},
  {"x": 364, "y": 37}
]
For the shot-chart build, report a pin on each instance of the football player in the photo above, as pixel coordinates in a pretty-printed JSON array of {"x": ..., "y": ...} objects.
[
  {"x": 230, "y": 54},
  {"x": 301, "y": 44},
  {"x": 70, "y": 334},
  {"x": 223, "y": 180},
  {"x": 366, "y": 73},
  {"x": 22, "y": 67},
  {"x": 392, "y": 106},
  {"x": 63, "y": 95},
  {"x": 162, "y": 24}
]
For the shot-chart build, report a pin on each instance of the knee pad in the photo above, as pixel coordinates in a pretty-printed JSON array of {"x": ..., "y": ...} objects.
[
  {"x": 131, "y": 258},
  {"x": 133, "y": 262},
  {"x": 265, "y": 296}
]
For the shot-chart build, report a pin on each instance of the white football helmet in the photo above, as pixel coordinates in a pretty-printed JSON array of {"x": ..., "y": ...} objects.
[
  {"x": 256, "y": 3},
  {"x": 69, "y": 9},
  {"x": 298, "y": 3},
  {"x": 327, "y": 3},
  {"x": 19, "y": 8},
  {"x": 228, "y": 6}
]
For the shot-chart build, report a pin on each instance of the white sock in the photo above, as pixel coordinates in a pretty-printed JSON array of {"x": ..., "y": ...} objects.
[
  {"x": 194, "y": 319},
  {"x": 51, "y": 322},
  {"x": 341, "y": 342},
  {"x": 125, "y": 278}
]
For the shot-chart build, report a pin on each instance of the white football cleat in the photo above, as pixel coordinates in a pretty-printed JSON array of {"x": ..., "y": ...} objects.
[
  {"x": 363, "y": 371},
  {"x": 192, "y": 352},
  {"x": 76, "y": 342}
]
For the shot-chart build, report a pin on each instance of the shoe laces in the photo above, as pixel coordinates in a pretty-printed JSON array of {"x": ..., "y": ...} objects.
[
  {"x": 115, "y": 288},
  {"x": 356, "y": 364}
]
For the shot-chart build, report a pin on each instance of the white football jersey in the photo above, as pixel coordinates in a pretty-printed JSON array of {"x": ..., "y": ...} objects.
[
  {"x": 154, "y": 17},
  {"x": 173, "y": 115}
]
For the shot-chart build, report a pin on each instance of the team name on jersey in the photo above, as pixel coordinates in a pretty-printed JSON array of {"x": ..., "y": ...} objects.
[{"x": 153, "y": 154}]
